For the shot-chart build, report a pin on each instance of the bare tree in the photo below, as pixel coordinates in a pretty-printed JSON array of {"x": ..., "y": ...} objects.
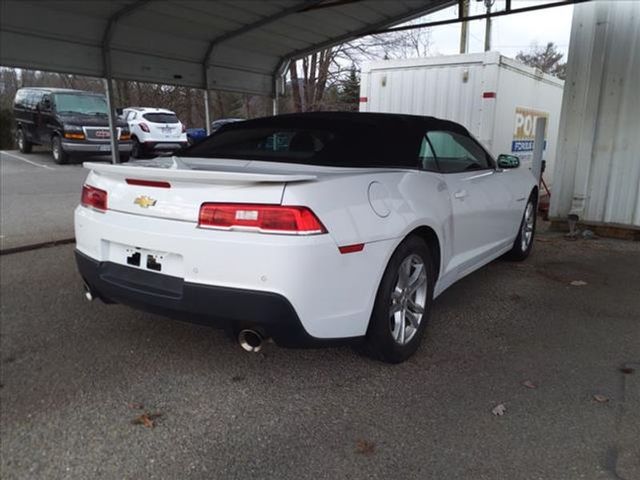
[{"x": 312, "y": 76}]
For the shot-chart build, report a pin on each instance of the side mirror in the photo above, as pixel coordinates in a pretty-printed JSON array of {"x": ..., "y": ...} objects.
[
  {"x": 508, "y": 161},
  {"x": 46, "y": 104},
  {"x": 119, "y": 111}
]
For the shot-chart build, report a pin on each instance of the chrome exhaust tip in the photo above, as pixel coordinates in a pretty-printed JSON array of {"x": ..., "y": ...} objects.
[
  {"x": 87, "y": 293},
  {"x": 250, "y": 340}
]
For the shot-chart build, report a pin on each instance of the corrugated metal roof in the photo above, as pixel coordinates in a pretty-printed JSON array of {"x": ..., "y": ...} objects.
[
  {"x": 241, "y": 44},
  {"x": 597, "y": 174}
]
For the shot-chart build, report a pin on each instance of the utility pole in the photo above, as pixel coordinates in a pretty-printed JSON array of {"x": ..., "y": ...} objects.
[
  {"x": 463, "y": 12},
  {"x": 487, "y": 28}
]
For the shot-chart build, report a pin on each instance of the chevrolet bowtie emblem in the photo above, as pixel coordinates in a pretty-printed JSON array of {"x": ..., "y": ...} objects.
[{"x": 144, "y": 201}]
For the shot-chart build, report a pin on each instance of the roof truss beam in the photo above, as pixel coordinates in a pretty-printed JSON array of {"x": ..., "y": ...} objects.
[{"x": 300, "y": 7}]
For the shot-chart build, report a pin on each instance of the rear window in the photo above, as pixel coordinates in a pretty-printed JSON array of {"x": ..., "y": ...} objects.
[
  {"x": 161, "y": 117},
  {"x": 314, "y": 146}
]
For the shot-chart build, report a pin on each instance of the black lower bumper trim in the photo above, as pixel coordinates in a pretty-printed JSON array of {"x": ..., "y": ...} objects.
[{"x": 220, "y": 307}]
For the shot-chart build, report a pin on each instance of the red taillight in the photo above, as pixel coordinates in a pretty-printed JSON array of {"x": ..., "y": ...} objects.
[
  {"x": 265, "y": 218},
  {"x": 144, "y": 127},
  {"x": 148, "y": 183},
  {"x": 94, "y": 197},
  {"x": 184, "y": 128}
]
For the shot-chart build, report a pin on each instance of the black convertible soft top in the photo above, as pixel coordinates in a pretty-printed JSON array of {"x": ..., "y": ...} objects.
[{"x": 351, "y": 139}]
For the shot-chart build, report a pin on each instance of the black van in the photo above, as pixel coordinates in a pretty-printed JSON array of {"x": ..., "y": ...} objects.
[{"x": 73, "y": 122}]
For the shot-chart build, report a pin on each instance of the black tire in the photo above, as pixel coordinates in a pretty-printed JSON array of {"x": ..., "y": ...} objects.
[
  {"x": 124, "y": 157},
  {"x": 59, "y": 155},
  {"x": 24, "y": 145},
  {"x": 137, "y": 150},
  {"x": 521, "y": 249},
  {"x": 380, "y": 342}
]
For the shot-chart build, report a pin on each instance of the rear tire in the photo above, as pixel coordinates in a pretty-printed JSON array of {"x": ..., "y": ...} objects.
[
  {"x": 137, "y": 150},
  {"x": 24, "y": 145},
  {"x": 403, "y": 303},
  {"x": 524, "y": 241},
  {"x": 59, "y": 155}
]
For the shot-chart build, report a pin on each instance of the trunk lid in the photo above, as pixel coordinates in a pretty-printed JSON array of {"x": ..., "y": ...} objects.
[
  {"x": 165, "y": 131},
  {"x": 172, "y": 188}
]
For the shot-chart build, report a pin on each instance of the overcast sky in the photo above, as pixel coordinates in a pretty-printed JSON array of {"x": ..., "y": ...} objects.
[{"x": 510, "y": 34}]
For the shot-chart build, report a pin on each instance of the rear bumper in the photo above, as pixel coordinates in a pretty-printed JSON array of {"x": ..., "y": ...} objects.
[
  {"x": 164, "y": 146},
  {"x": 220, "y": 307},
  {"x": 94, "y": 147},
  {"x": 331, "y": 294}
]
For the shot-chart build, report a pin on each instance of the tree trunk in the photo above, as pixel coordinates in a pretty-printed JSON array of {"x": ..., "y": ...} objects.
[
  {"x": 323, "y": 72},
  {"x": 220, "y": 104},
  {"x": 295, "y": 87}
]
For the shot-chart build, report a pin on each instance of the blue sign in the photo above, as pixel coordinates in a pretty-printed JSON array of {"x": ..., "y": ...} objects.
[{"x": 524, "y": 146}]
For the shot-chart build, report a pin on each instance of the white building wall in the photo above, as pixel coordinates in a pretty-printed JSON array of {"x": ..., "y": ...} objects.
[{"x": 597, "y": 170}]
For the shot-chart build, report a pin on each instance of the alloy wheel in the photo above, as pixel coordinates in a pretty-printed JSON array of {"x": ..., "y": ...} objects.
[
  {"x": 526, "y": 235},
  {"x": 408, "y": 299}
]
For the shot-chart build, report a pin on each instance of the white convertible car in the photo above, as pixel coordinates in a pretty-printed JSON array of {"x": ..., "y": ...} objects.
[{"x": 310, "y": 229}]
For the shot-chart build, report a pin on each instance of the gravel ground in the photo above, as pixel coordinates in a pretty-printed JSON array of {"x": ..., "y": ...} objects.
[{"x": 76, "y": 374}]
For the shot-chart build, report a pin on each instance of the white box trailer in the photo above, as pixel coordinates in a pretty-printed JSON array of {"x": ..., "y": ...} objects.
[{"x": 496, "y": 98}]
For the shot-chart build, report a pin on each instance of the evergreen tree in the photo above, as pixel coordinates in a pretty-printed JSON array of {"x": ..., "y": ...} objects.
[
  {"x": 547, "y": 58},
  {"x": 349, "y": 93}
]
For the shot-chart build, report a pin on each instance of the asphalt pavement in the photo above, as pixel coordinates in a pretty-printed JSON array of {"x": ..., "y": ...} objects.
[
  {"x": 37, "y": 197},
  {"x": 563, "y": 359}
]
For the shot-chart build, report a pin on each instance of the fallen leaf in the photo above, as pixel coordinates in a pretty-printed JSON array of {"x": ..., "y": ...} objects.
[
  {"x": 600, "y": 398},
  {"x": 146, "y": 419},
  {"x": 627, "y": 370},
  {"x": 578, "y": 283},
  {"x": 499, "y": 409},
  {"x": 365, "y": 447},
  {"x": 529, "y": 384},
  {"x": 135, "y": 406}
]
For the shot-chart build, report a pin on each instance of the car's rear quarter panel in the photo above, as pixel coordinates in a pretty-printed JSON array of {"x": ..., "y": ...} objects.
[{"x": 414, "y": 199}]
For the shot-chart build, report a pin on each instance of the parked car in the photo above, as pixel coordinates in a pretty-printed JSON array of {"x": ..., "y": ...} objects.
[
  {"x": 308, "y": 228},
  {"x": 195, "y": 135},
  {"x": 154, "y": 130},
  {"x": 72, "y": 122}
]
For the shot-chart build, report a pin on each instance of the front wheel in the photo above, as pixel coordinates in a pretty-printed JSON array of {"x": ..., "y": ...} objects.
[
  {"x": 403, "y": 303},
  {"x": 524, "y": 241},
  {"x": 24, "y": 145},
  {"x": 59, "y": 155}
]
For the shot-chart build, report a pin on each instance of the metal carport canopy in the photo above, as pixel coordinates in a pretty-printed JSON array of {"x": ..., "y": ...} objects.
[{"x": 233, "y": 45}]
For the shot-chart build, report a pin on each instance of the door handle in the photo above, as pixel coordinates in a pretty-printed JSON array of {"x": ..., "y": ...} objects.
[{"x": 460, "y": 194}]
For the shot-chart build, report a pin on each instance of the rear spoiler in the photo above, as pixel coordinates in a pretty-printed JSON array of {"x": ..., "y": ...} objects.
[{"x": 191, "y": 175}]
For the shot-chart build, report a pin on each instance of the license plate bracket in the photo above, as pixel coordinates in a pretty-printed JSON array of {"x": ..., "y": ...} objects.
[{"x": 141, "y": 258}]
